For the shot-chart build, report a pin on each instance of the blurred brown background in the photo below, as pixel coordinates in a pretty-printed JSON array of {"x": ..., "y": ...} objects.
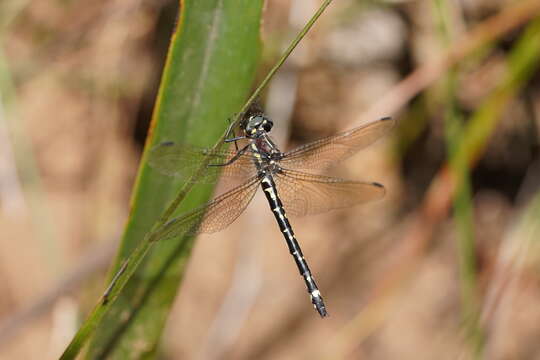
[{"x": 77, "y": 85}]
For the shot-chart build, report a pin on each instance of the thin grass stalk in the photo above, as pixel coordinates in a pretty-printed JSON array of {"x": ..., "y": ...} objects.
[{"x": 462, "y": 199}]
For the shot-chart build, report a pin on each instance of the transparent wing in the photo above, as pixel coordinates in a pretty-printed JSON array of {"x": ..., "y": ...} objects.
[
  {"x": 183, "y": 160},
  {"x": 323, "y": 153},
  {"x": 307, "y": 194},
  {"x": 213, "y": 216}
]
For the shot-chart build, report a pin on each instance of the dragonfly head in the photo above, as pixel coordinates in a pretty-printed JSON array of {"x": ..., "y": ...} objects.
[{"x": 256, "y": 125}]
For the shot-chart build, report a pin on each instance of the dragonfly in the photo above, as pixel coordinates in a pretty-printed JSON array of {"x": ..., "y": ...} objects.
[{"x": 291, "y": 181}]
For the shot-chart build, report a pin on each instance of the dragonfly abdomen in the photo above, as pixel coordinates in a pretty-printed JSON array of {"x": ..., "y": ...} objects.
[{"x": 270, "y": 191}]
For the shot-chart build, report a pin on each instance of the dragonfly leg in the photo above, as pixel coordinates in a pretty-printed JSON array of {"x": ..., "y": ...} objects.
[
  {"x": 229, "y": 129},
  {"x": 235, "y": 139},
  {"x": 234, "y": 158}
]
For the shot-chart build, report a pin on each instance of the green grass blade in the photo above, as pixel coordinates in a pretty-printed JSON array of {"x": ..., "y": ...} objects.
[
  {"x": 522, "y": 62},
  {"x": 209, "y": 71}
]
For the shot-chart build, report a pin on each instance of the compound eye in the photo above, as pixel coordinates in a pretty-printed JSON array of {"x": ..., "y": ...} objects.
[{"x": 267, "y": 125}]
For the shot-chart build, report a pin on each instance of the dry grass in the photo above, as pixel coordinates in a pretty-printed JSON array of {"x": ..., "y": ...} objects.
[{"x": 77, "y": 90}]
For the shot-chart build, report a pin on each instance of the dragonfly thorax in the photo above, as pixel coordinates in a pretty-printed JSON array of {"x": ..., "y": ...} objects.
[{"x": 269, "y": 167}]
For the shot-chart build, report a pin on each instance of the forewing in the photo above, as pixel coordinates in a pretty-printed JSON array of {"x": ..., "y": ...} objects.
[
  {"x": 323, "y": 153},
  {"x": 308, "y": 194},
  {"x": 181, "y": 160},
  {"x": 213, "y": 216}
]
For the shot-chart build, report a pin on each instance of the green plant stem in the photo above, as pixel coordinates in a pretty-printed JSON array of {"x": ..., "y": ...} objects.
[
  {"x": 280, "y": 62},
  {"x": 462, "y": 200}
]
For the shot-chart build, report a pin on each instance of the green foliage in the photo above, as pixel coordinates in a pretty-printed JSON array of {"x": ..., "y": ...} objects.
[
  {"x": 209, "y": 71},
  {"x": 464, "y": 145}
]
